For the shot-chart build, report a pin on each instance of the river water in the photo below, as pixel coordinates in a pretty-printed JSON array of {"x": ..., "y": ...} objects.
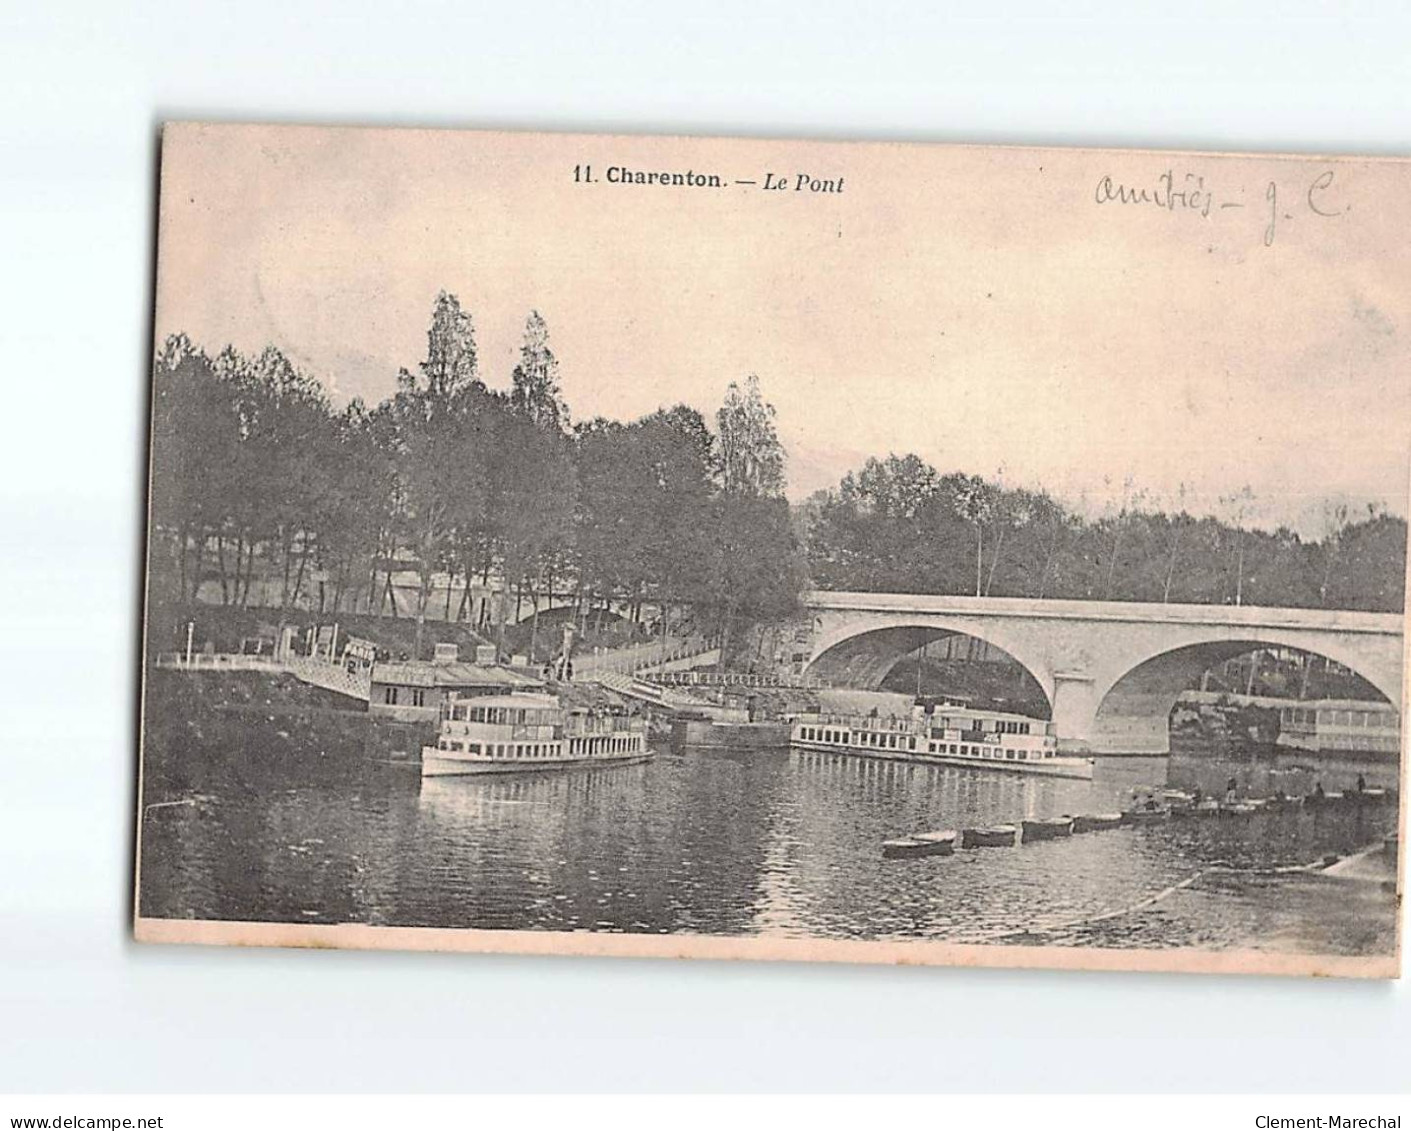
[{"x": 783, "y": 843}]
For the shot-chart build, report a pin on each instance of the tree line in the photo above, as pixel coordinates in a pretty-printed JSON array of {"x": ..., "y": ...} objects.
[
  {"x": 255, "y": 472},
  {"x": 899, "y": 525},
  {"x": 258, "y": 478}
]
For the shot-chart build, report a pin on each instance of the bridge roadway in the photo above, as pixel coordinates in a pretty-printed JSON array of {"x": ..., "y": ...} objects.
[{"x": 1111, "y": 669}]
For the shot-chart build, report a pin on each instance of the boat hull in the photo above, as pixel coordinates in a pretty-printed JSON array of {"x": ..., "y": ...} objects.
[
  {"x": 1047, "y": 829},
  {"x": 1077, "y": 768},
  {"x": 434, "y": 764},
  {"x": 903, "y": 848},
  {"x": 941, "y": 843},
  {"x": 1239, "y": 810},
  {"x": 999, "y": 837},
  {"x": 1095, "y": 822}
]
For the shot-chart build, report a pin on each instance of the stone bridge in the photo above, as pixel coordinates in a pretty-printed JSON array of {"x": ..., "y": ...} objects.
[{"x": 1111, "y": 670}]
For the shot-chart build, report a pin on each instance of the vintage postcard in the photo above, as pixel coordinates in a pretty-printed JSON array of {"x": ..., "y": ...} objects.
[{"x": 776, "y": 549}]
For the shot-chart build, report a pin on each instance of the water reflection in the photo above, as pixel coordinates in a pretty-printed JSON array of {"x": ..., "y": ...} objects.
[{"x": 784, "y": 843}]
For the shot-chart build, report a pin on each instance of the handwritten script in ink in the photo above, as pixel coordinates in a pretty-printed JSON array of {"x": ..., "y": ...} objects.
[{"x": 1277, "y": 203}]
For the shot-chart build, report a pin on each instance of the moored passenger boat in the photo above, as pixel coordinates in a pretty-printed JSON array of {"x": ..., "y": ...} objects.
[
  {"x": 504, "y": 734},
  {"x": 947, "y": 735}
]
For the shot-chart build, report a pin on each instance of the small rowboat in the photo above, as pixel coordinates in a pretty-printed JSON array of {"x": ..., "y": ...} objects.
[
  {"x": 1094, "y": 822},
  {"x": 1145, "y": 816},
  {"x": 904, "y": 848},
  {"x": 1207, "y": 808},
  {"x": 1177, "y": 799},
  {"x": 941, "y": 842},
  {"x": 1284, "y": 803},
  {"x": 1047, "y": 828},
  {"x": 1243, "y": 809},
  {"x": 995, "y": 836},
  {"x": 1373, "y": 796}
]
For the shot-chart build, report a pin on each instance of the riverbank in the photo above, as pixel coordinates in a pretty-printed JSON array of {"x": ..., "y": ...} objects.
[
  {"x": 1346, "y": 909},
  {"x": 264, "y": 719}
]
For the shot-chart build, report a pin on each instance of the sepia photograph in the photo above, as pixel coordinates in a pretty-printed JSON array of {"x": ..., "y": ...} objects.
[{"x": 759, "y": 549}]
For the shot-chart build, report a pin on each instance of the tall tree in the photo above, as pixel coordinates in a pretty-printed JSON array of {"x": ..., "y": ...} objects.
[
  {"x": 428, "y": 414},
  {"x": 974, "y": 502},
  {"x": 752, "y": 458},
  {"x": 533, "y": 499},
  {"x": 756, "y": 565},
  {"x": 451, "y": 361},
  {"x": 535, "y": 391}
]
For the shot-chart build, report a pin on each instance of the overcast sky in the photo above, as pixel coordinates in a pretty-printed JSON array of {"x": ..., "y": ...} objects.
[{"x": 980, "y": 308}]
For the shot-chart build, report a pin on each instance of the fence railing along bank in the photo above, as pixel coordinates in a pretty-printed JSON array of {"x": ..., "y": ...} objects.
[
  {"x": 318, "y": 672},
  {"x": 640, "y": 658},
  {"x": 315, "y": 672},
  {"x": 733, "y": 679}
]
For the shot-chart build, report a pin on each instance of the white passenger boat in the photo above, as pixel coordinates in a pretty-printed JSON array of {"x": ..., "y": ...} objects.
[
  {"x": 949, "y": 735},
  {"x": 505, "y": 734}
]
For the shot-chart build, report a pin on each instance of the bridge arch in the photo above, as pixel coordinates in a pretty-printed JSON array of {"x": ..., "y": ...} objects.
[
  {"x": 862, "y": 655},
  {"x": 1132, "y": 708},
  {"x": 1111, "y": 670}
]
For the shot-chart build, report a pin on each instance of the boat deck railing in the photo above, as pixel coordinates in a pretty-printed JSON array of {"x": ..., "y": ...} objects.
[{"x": 887, "y": 723}]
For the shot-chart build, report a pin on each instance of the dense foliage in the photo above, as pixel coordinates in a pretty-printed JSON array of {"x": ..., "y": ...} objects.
[
  {"x": 256, "y": 474},
  {"x": 898, "y": 525}
]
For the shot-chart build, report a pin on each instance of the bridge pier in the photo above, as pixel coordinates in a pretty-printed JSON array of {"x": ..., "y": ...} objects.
[
  {"x": 1130, "y": 722},
  {"x": 1074, "y": 706}
]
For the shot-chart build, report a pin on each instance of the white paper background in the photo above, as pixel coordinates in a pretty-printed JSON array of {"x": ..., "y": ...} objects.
[{"x": 81, "y": 1008}]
